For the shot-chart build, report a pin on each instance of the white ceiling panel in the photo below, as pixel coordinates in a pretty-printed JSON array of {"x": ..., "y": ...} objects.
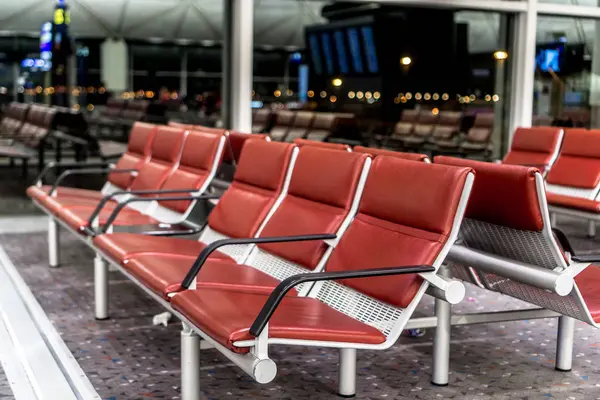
[{"x": 277, "y": 22}]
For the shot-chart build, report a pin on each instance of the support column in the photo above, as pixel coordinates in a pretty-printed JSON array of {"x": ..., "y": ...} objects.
[
  {"x": 114, "y": 65},
  {"x": 190, "y": 364},
  {"x": 347, "y": 373},
  {"x": 183, "y": 70},
  {"x": 522, "y": 69},
  {"x": 238, "y": 52},
  {"x": 53, "y": 243},
  {"x": 72, "y": 77},
  {"x": 441, "y": 341},
  {"x": 501, "y": 106},
  {"x": 100, "y": 287},
  {"x": 16, "y": 74},
  {"x": 564, "y": 343}
]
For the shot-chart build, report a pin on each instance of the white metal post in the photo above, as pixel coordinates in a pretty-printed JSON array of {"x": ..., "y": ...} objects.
[
  {"x": 100, "y": 287},
  {"x": 523, "y": 69},
  {"x": 238, "y": 64},
  {"x": 347, "y": 373},
  {"x": 183, "y": 78},
  {"x": 190, "y": 364},
  {"x": 53, "y": 243},
  {"x": 564, "y": 343},
  {"x": 441, "y": 341}
]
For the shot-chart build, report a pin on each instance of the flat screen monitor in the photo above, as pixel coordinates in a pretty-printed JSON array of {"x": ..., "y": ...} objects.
[
  {"x": 549, "y": 59},
  {"x": 315, "y": 53},
  {"x": 342, "y": 57},
  {"x": 355, "y": 51},
  {"x": 327, "y": 51},
  {"x": 369, "y": 44}
]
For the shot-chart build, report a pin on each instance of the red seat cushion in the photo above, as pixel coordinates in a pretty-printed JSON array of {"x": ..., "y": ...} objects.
[
  {"x": 121, "y": 246},
  {"x": 576, "y": 203},
  {"x": 56, "y": 205},
  {"x": 227, "y": 315},
  {"x": 164, "y": 273},
  {"x": 77, "y": 217},
  {"x": 588, "y": 281}
]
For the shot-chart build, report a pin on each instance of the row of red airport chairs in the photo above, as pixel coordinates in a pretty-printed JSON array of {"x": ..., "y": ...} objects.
[{"x": 320, "y": 244}]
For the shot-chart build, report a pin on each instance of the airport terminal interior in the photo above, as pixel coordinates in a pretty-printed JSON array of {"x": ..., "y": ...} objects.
[{"x": 298, "y": 199}]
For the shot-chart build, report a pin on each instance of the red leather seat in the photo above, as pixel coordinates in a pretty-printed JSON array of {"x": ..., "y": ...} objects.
[
  {"x": 240, "y": 211},
  {"x": 579, "y": 162},
  {"x": 576, "y": 203},
  {"x": 227, "y": 315},
  {"x": 138, "y": 153},
  {"x": 324, "y": 145},
  {"x": 391, "y": 153},
  {"x": 536, "y": 146},
  {"x": 311, "y": 206},
  {"x": 166, "y": 153},
  {"x": 587, "y": 281},
  {"x": 399, "y": 222},
  {"x": 164, "y": 274},
  {"x": 121, "y": 246}
]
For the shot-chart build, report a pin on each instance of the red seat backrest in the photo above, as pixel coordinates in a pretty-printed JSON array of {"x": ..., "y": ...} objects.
[
  {"x": 391, "y": 153},
  {"x": 534, "y": 146},
  {"x": 321, "y": 192},
  {"x": 502, "y": 194},
  {"x": 258, "y": 181},
  {"x": 196, "y": 167},
  {"x": 165, "y": 154},
  {"x": 324, "y": 145},
  {"x": 236, "y": 143},
  {"x": 401, "y": 221},
  {"x": 138, "y": 152},
  {"x": 578, "y": 164}
]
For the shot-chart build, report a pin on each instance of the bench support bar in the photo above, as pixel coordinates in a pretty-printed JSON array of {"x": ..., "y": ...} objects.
[
  {"x": 53, "y": 243},
  {"x": 347, "y": 373},
  {"x": 100, "y": 287},
  {"x": 190, "y": 364},
  {"x": 564, "y": 343}
]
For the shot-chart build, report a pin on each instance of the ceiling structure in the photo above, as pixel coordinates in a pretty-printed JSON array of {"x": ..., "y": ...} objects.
[{"x": 278, "y": 23}]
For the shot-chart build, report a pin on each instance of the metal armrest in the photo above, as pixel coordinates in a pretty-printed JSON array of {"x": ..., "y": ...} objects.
[
  {"x": 208, "y": 250},
  {"x": 89, "y": 171},
  {"x": 53, "y": 164},
  {"x": 123, "y": 204},
  {"x": 286, "y": 285},
  {"x": 112, "y": 195}
]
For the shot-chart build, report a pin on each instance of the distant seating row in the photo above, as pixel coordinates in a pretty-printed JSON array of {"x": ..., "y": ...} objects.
[
  {"x": 313, "y": 246},
  {"x": 442, "y": 132},
  {"x": 28, "y": 130},
  {"x": 119, "y": 115},
  {"x": 285, "y": 125}
]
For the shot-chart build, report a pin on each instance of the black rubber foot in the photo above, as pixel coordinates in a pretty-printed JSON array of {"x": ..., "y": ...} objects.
[
  {"x": 347, "y": 396},
  {"x": 54, "y": 266},
  {"x": 439, "y": 384},
  {"x": 562, "y": 370},
  {"x": 101, "y": 319}
]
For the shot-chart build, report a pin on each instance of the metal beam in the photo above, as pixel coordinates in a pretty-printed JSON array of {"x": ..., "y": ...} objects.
[
  {"x": 488, "y": 5},
  {"x": 86, "y": 9},
  {"x": 207, "y": 21},
  {"x": 567, "y": 10},
  {"x": 122, "y": 16}
]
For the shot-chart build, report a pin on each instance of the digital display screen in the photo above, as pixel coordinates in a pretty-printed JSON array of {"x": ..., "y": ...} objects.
[
  {"x": 355, "y": 50},
  {"x": 338, "y": 36},
  {"x": 369, "y": 43},
  {"x": 327, "y": 50},
  {"x": 549, "y": 60},
  {"x": 313, "y": 43}
]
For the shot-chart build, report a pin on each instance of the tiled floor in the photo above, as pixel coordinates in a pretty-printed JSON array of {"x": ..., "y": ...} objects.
[
  {"x": 128, "y": 358},
  {"x": 5, "y": 391}
]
